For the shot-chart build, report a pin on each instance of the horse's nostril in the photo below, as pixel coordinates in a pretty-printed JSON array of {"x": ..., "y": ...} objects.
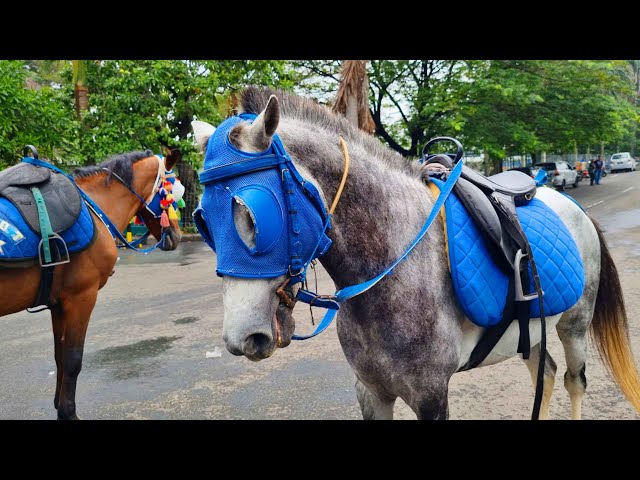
[{"x": 257, "y": 344}]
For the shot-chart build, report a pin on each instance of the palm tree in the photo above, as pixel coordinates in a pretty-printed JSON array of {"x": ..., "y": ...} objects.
[
  {"x": 352, "y": 99},
  {"x": 80, "y": 89}
]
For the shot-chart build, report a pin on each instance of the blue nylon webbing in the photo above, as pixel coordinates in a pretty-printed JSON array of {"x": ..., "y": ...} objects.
[
  {"x": 96, "y": 209},
  {"x": 355, "y": 290}
]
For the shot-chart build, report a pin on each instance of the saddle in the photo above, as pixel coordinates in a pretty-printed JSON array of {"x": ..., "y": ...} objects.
[
  {"x": 43, "y": 220},
  {"x": 61, "y": 197},
  {"x": 492, "y": 224}
]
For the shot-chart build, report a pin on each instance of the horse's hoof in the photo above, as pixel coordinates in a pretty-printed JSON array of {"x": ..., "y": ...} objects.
[{"x": 72, "y": 417}]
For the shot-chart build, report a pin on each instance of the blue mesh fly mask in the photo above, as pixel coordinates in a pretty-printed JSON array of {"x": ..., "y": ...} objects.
[{"x": 287, "y": 212}]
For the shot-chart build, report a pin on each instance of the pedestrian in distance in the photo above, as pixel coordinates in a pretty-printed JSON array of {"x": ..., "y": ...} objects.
[
  {"x": 591, "y": 169},
  {"x": 598, "y": 166}
]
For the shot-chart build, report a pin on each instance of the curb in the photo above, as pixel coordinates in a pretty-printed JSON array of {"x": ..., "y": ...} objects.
[{"x": 191, "y": 237}]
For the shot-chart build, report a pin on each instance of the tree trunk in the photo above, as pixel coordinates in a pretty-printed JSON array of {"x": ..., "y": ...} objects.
[
  {"x": 487, "y": 164},
  {"x": 352, "y": 110},
  {"x": 81, "y": 93},
  {"x": 352, "y": 99},
  {"x": 80, "y": 89}
]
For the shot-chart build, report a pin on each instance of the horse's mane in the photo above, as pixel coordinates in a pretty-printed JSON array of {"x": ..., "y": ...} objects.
[
  {"x": 253, "y": 99},
  {"x": 121, "y": 165}
]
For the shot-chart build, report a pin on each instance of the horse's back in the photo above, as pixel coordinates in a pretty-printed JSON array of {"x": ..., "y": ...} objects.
[{"x": 586, "y": 239}]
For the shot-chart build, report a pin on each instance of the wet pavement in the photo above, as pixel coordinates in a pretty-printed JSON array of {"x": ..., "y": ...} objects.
[{"x": 159, "y": 315}]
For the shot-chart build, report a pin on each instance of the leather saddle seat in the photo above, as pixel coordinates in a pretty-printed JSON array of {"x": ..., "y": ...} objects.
[
  {"x": 483, "y": 197},
  {"x": 61, "y": 196}
]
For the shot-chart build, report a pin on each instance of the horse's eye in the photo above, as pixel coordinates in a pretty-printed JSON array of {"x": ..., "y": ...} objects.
[{"x": 245, "y": 224}]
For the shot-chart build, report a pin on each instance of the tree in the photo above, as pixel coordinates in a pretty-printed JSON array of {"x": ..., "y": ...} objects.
[
  {"x": 519, "y": 106},
  {"x": 32, "y": 114},
  {"x": 80, "y": 89},
  {"x": 150, "y": 104},
  {"x": 413, "y": 101},
  {"x": 352, "y": 99}
]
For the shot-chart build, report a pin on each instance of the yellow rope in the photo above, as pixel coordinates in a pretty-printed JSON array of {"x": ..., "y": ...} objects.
[{"x": 344, "y": 176}]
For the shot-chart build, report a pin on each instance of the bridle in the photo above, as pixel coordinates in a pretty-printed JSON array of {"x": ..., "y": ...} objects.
[{"x": 93, "y": 206}]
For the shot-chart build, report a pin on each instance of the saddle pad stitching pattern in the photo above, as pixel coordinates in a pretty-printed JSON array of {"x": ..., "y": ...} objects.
[
  {"x": 481, "y": 287},
  {"x": 77, "y": 237}
]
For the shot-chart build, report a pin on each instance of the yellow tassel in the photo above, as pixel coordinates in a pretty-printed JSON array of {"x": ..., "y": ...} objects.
[{"x": 172, "y": 213}]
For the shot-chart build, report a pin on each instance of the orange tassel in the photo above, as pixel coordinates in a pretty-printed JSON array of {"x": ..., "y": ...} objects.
[{"x": 164, "y": 219}]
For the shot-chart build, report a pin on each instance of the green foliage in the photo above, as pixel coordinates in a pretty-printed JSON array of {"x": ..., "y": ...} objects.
[
  {"x": 504, "y": 107},
  {"x": 500, "y": 107},
  {"x": 41, "y": 116},
  {"x": 527, "y": 106},
  {"x": 138, "y": 104}
]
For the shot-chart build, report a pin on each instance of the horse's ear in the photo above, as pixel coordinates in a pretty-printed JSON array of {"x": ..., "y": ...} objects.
[
  {"x": 170, "y": 160},
  {"x": 265, "y": 125},
  {"x": 202, "y": 131}
]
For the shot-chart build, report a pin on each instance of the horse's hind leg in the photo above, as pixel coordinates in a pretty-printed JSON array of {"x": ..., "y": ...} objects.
[
  {"x": 76, "y": 311},
  {"x": 372, "y": 406},
  {"x": 573, "y": 335},
  {"x": 549, "y": 380}
]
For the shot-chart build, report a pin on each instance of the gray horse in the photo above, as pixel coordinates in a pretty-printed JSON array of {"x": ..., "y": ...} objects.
[{"x": 406, "y": 336}]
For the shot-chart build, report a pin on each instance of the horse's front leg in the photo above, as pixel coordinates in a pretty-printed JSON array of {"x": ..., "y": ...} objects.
[
  {"x": 374, "y": 406},
  {"x": 57, "y": 321},
  {"x": 431, "y": 401},
  {"x": 76, "y": 311}
]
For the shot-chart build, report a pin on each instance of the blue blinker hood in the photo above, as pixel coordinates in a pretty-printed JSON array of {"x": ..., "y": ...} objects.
[{"x": 287, "y": 212}]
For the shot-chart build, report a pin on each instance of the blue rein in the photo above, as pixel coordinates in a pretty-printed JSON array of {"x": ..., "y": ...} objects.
[
  {"x": 115, "y": 233},
  {"x": 332, "y": 303}
]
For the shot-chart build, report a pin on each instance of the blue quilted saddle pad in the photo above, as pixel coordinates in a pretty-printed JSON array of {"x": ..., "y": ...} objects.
[
  {"x": 18, "y": 242},
  {"x": 481, "y": 287}
]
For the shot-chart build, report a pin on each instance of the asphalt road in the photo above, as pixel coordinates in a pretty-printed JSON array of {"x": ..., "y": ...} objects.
[{"x": 145, "y": 355}]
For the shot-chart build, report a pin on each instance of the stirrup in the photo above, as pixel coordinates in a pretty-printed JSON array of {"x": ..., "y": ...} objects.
[
  {"x": 519, "y": 294},
  {"x": 64, "y": 251}
]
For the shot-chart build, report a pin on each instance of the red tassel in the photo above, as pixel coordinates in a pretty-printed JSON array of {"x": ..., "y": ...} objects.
[{"x": 164, "y": 219}]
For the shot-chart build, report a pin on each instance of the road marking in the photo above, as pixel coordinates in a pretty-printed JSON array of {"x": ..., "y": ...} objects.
[
  {"x": 627, "y": 189},
  {"x": 594, "y": 204}
]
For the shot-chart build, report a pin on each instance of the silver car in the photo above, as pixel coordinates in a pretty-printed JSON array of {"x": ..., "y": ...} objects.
[
  {"x": 622, "y": 161},
  {"x": 559, "y": 174}
]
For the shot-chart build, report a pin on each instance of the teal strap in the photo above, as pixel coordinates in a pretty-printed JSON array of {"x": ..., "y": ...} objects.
[{"x": 45, "y": 224}]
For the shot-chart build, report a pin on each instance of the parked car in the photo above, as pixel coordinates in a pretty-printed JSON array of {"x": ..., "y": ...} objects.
[
  {"x": 622, "y": 161},
  {"x": 526, "y": 170},
  {"x": 559, "y": 174}
]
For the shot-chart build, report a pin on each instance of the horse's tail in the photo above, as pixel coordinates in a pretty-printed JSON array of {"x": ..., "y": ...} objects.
[{"x": 610, "y": 329}]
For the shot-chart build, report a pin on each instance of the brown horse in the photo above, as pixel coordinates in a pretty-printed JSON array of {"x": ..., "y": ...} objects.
[{"x": 116, "y": 186}]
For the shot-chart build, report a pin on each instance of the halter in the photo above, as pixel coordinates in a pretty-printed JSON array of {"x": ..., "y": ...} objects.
[
  {"x": 115, "y": 233},
  {"x": 228, "y": 169}
]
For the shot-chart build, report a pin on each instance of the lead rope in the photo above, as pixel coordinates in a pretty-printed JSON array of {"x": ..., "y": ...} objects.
[
  {"x": 336, "y": 199},
  {"x": 343, "y": 181}
]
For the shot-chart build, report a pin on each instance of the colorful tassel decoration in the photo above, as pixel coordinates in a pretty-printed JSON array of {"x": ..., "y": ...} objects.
[
  {"x": 164, "y": 219},
  {"x": 181, "y": 203},
  {"x": 172, "y": 213}
]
